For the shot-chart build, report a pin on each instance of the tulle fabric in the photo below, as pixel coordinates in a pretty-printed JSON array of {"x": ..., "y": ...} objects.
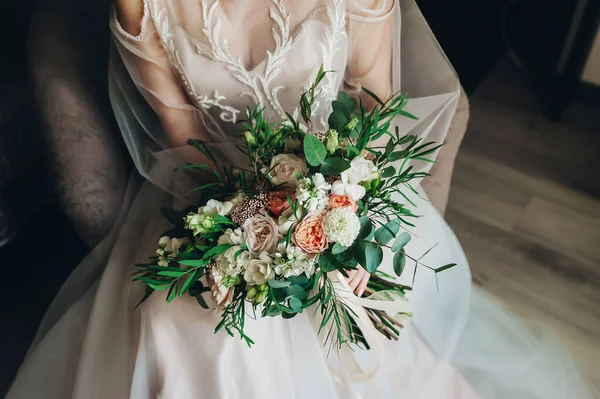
[{"x": 174, "y": 81}]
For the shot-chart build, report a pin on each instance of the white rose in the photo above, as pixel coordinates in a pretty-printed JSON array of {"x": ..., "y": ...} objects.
[
  {"x": 231, "y": 237},
  {"x": 287, "y": 219},
  {"x": 259, "y": 270},
  {"x": 284, "y": 170},
  {"x": 261, "y": 233},
  {"x": 214, "y": 207}
]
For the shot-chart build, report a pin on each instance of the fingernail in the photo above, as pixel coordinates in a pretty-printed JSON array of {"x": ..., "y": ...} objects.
[{"x": 360, "y": 292}]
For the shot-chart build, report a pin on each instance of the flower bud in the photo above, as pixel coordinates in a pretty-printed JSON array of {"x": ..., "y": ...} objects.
[
  {"x": 250, "y": 139},
  {"x": 252, "y": 292},
  {"x": 260, "y": 297},
  {"x": 352, "y": 123},
  {"x": 331, "y": 141},
  {"x": 230, "y": 281}
]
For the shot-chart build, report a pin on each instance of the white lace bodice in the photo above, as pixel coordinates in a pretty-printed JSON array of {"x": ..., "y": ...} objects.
[{"x": 219, "y": 83}]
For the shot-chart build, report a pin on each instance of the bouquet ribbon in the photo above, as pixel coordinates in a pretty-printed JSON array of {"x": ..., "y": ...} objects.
[{"x": 351, "y": 371}]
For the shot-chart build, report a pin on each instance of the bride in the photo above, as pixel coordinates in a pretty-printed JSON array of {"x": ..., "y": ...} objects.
[{"x": 185, "y": 69}]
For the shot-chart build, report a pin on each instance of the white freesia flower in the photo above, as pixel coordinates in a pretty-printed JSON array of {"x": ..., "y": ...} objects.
[
  {"x": 227, "y": 264},
  {"x": 231, "y": 237},
  {"x": 214, "y": 207},
  {"x": 361, "y": 170},
  {"x": 259, "y": 270},
  {"x": 341, "y": 225}
]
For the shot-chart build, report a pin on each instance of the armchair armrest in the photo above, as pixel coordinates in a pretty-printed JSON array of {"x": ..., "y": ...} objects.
[{"x": 68, "y": 63}]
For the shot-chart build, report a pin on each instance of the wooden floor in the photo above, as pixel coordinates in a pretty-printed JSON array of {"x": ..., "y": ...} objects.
[{"x": 525, "y": 204}]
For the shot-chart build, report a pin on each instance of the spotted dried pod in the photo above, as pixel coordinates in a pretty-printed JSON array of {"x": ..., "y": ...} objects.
[
  {"x": 249, "y": 207},
  {"x": 320, "y": 135}
]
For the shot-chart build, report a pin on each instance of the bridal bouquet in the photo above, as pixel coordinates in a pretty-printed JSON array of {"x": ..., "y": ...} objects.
[{"x": 277, "y": 237}]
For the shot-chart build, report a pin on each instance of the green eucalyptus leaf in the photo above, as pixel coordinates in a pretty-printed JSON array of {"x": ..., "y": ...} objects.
[
  {"x": 348, "y": 101},
  {"x": 278, "y": 283},
  {"x": 399, "y": 262},
  {"x": 366, "y": 228},
  {"x": 401, "y": 241},
  {"x": 297, "y": 292},
  {"x": 338, "y": 249},
  {"x": 334, "y": 166},
  {"x": 369, "y": 255},
  {"x": 314, "y": 150},
  {"x": 296, "y": 304},
  {"x": 326, "y": 265},
  {"x": 338, "y": 121},
  {"x": 385, "y": 233}
]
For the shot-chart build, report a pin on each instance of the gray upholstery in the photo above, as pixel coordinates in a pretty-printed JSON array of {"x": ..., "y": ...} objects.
[{"x": 68, "y": 57}]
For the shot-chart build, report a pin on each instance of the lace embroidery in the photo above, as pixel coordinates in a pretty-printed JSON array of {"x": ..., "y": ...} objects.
[
  {"x": 161, "y": 20},
  {"x": 142, "y": 35},
  {"x": 219, "y": 52},
  {"x": 335, "y": 32}
]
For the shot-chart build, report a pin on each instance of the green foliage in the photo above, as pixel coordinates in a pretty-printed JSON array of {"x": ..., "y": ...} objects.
[
  {"x": 314, "y": 150},
  {"x": 368, "y": 254},
  {"x": 334, "y": 166}
]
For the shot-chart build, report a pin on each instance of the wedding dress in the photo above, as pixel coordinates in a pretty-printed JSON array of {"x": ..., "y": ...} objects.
[{"x": 91, "y": 344}]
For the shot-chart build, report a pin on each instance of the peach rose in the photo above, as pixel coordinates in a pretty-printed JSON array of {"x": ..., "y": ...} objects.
[
  {"x": 277, "y": 201},
  {"x": 309, "y": 235},
  {"x": 342, "y": 201}
]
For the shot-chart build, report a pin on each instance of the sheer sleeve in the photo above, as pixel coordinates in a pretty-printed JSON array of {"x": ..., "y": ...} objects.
[
  {"x": 155, "y": 113},
  {"x": 392, "y": 49}
]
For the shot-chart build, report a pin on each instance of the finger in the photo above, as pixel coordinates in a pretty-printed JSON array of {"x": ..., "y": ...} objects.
[
  {"x": 362, "y": 285},
  {"x": 354, "y": 280}
]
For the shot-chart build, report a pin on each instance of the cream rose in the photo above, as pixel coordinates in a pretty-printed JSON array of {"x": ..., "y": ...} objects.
[
  {"x": 260, "y": 233},
  {"x": 285, "y": 168},
  {"x": 259, "y": 270}
]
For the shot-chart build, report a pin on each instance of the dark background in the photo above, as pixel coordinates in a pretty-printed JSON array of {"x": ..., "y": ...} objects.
[{"x": 40, "y": 247}]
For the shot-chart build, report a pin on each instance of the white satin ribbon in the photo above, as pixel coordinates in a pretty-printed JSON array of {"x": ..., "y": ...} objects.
[{"x": 351, "y": 371}]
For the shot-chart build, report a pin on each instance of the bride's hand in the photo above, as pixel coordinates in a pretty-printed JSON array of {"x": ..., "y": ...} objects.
[{"x": 358, "y": 280}]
